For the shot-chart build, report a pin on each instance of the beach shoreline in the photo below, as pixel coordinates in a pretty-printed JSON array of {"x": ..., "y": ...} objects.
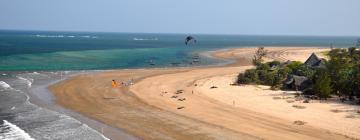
[
  {"x": 42, "y": 97},
  {"x": 134, "y": 100}
]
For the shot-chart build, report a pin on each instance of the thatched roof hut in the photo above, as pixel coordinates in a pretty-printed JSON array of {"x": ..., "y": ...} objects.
[
  {"x": 297, "y": 82},
  {"x": 314, "y": 61}
]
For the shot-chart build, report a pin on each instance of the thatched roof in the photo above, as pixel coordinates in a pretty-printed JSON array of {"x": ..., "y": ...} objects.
[
  {"x": 314, "y": 61},
  {"x": 297, "y": 80}
]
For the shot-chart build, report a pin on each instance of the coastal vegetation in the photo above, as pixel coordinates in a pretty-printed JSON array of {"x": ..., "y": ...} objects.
[
  {"x": 338, "y": 75},
  {"x": 258, "y": 57}
]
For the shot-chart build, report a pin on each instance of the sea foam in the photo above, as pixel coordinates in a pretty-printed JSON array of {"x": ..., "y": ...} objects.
[
  {"x": 65, "y": 36},
  {"x": 35, "y": 72},
  {"x": 13, "y": 132},
  {"x": 51, "y": 36},
  {"x": 87, "y": 36},
  {"x": 4, "y": 85},
  {"x": 28, "y": 81},
  {"x": 143, "y": 39}
]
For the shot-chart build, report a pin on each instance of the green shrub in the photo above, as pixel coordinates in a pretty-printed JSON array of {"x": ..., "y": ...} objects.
[
  {"x": 250, "y": 76},
  {"x": 304, "y": 70},
  {"x": 242, "y": 79},
  {"x": 264, "y": 75},
  {"x": 273, "y": 63},
  {"x": 264, "y": 67},
  {"x": 283, "y": 72},
  {"x": 293, "y": 66},
  {"x": 322, "y": 87}
]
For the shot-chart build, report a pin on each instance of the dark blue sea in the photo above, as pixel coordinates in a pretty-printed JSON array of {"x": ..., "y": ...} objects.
[{"x": 31, "y": 60}]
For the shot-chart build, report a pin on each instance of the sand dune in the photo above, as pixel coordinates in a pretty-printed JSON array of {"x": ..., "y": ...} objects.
[{"x": 179, "y": 103}]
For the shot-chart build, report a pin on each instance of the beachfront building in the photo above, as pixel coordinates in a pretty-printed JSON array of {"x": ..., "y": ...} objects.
[
  {"x": 297, "y": 82},
  {"x": 314, "y": 61}
]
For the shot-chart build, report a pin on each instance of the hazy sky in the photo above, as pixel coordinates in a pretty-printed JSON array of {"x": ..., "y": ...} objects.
[{"x": 259, "y": 17}]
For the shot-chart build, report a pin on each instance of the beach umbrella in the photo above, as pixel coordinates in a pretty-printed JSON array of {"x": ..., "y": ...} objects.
[{"x": 189, "y": 39}]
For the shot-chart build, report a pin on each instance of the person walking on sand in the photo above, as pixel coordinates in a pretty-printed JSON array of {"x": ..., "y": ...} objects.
[{"x": 114, "y": 83}]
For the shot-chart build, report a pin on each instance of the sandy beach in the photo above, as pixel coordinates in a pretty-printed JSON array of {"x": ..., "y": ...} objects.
[{"x": 179, "y": 103}]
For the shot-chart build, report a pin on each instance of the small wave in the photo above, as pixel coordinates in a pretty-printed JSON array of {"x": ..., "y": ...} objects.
[
  {"x": 32, "y": 74},
  {"x": 64, "y": 36},
  {"x": 4, "y": 74},
  {"x": 4, "y": 85},
  {"x": 51, "y": 36},
  {"x": 13, "y": 132},
  {"x": 87, "y": 36},
  {"x": 100, "y": 133},
  {"x": 35, "y": 73},
  {"x": 28, "y": 81},
  {"x": 142, "y": 39}
]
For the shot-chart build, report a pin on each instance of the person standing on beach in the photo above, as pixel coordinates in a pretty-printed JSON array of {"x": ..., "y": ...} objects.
[{"x": 114, "y": 83}]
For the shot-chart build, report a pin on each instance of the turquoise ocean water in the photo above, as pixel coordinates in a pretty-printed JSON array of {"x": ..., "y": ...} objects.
[{"x": 40, "y": 50}]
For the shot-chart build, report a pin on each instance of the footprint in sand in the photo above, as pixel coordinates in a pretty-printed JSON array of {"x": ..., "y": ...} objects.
[
  {"x": 299, "y": 122},
  {"x": 182, "y": 99},
  {"x": 179, "y": 91},
  {"x": 163, "y": 93}
]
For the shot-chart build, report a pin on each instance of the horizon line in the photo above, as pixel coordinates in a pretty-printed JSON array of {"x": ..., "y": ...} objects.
[{"x": 80, "y": 31}]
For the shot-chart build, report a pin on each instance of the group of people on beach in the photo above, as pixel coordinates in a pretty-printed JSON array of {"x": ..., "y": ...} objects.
[{"x": 115, "y": 84}]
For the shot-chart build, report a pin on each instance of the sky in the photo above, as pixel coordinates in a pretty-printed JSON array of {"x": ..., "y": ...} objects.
[{"x": 249, "y": 17}]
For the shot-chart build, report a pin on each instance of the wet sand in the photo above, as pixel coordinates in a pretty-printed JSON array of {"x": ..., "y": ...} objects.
[
  {"x": 41, "y": 96},
  {"x": 149, "y": 110}
]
